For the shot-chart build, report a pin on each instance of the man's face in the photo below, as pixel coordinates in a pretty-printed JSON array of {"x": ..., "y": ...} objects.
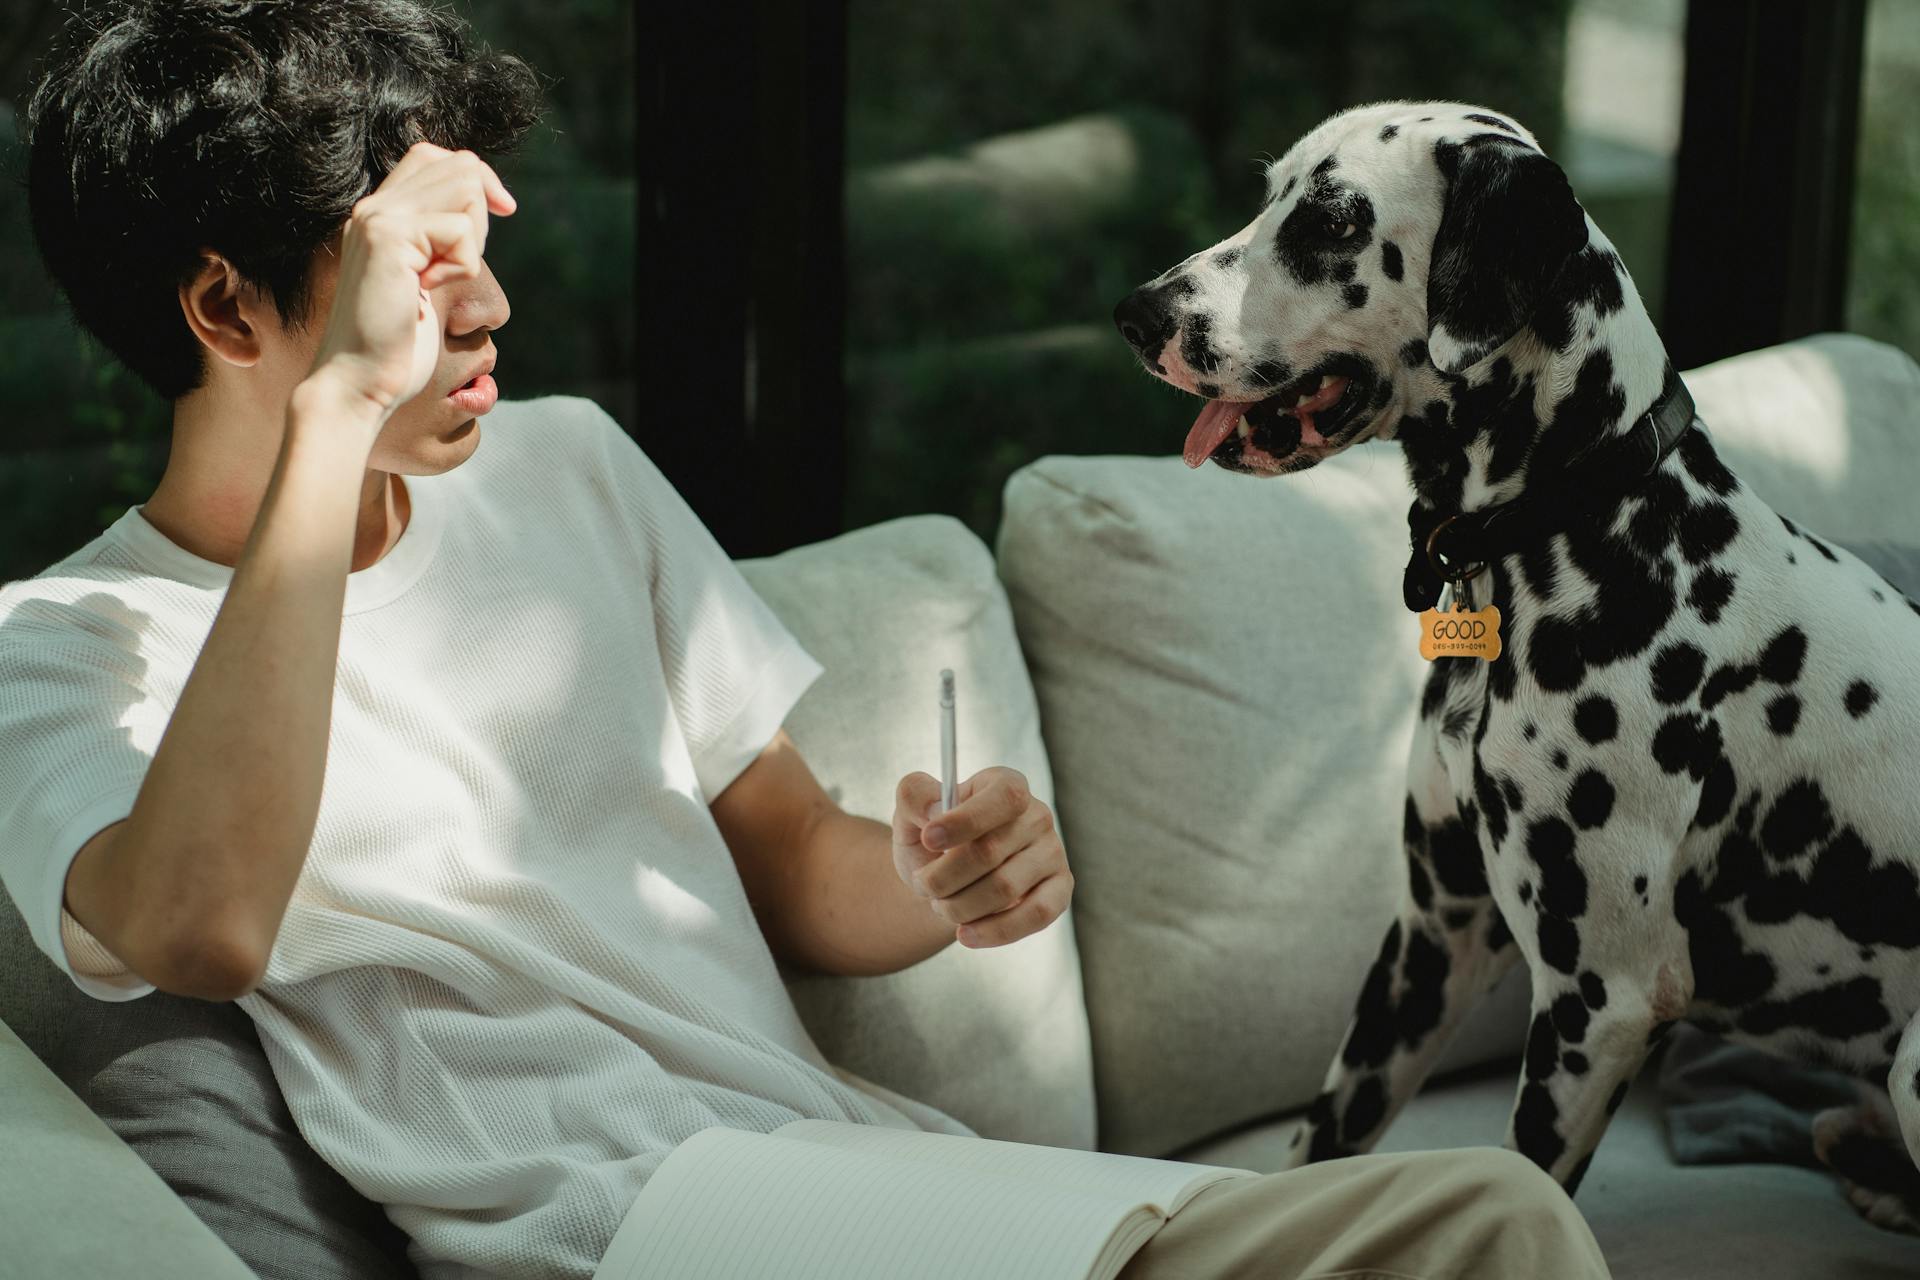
[{"x": 433, "y": 432}]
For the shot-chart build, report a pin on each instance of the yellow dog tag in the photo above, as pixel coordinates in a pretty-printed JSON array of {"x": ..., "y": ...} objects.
[{"x": 1460, "y": 633}]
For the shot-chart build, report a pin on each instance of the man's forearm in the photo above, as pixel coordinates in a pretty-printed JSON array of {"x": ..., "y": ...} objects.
[{"x": 849, "y": 911}]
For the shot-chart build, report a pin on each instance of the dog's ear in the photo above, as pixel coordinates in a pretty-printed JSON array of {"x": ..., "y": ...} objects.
[{"x": 1509, "y": 224}]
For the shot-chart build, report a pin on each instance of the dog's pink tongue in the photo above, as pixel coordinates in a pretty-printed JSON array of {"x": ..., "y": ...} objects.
[{"x": 1212, "y": 426}]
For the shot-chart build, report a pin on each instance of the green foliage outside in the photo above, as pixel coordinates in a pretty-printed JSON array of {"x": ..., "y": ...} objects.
[
  {"x": 986, "y": 254},
  {"x": 1883, "y": 287}
]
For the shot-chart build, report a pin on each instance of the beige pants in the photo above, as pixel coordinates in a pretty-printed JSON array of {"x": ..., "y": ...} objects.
[{"x": 1478, "y": 1213}]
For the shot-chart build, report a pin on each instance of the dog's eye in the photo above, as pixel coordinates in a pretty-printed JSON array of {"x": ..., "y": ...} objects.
[{"x": 1338, "y": 230}]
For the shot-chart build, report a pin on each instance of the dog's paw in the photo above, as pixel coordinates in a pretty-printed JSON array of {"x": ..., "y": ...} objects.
[{"x": 1863, "y": 1145}]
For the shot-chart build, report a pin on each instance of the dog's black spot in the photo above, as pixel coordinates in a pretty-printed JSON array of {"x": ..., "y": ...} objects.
[
  {"x": 1529, "y": 731},
  {"x": 1389, "y": 132},
  {"x": 1687, "y": 741},
  {"x": 1365, "y": 1109},
  {"x": 1493, "y": 807},
  {"x": 1780, "y": 661},
  {"x": 1570, "y": 1018},
  {"x": 1711, "y": 590},
  {"x": 1716, "y": 794},
  {"x": 1726, "y": 680},
  {"x": 1592, "y": 989},
  {"x": 1559, "y": 943},
  {"x": 1591, "y": 801},
  {"x": 1703, "y": 464},
  {"x": 1381, "y": 1021},
  {"x": 1559, "y": 758},
  {"x": 1194, "y": 347},
  {"x": 1414, "y": 353},
  {"x": 1578, "y": 1174},
  {"x": 1326, "y": 1135},
  {"x": 1345, "y": 270},
  {"x": 1553, "y": 655},
  {"x": 1563, "y": 885},
  {"x": 1355, "y": 295},
  {"x": 1226, "y": 258},
  {"x": 1526, "y": 892},
  {"x": 1533, "y": 1126},
  {"x": 1706, "y": 528},
  {"x": 1210, "y": 390},
  {"x": 1510, "y": 792},
  {"x": 1574, "y": 1063},
  {"x": 1439, "y": 680},
  {"x": 1676, "y": 670},
  {"x": 1595, "y": 719},
  {"x": 1783, "y": 713},
  {"x": 1390, "y": 259},
  {"x": 1499, "y": 937},
  {"x": 1326, "y": 166},
  {"x": 1839, "y": 1011},
  {"x": 1457, "y": 862},
  {"x": 1655, "y": 517},
  {"x": 1288, "y": 189},
  {"x": 1860, "y": 698},
  {"x": 1590, "y": 277},
  {"x": 1800, "y": 815},
  {"x": 1478, "y": 118},
  {"x": 1543, "y": 1048},
  {"x": 1639, "y": 884}
]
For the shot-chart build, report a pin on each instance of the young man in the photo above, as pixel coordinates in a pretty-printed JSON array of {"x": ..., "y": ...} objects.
[{"x": 460, "y": 768}]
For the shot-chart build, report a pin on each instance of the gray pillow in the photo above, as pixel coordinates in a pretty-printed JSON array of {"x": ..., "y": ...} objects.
[{"x": 186, "y": 1084}]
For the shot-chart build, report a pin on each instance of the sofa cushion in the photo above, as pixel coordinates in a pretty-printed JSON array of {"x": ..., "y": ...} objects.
[
  {"x": 995, "y": 1037},
  {"x": 1654, "y": 1219},
  {"x": 1228, "y": 679},
  {"x": 75, "y": 1202},
  {"x": 186, "y": 1084}
]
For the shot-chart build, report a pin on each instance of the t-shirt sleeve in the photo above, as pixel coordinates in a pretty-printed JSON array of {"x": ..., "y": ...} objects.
[
  {"x": 77, "y": 733},
  {"x": 733, "y": 671}
]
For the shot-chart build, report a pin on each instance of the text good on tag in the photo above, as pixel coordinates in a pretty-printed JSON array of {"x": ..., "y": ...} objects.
[{"x": 1460, "y": 633}]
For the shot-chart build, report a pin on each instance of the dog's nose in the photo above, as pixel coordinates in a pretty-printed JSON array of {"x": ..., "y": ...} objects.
[{"x": 1144, "y": 322}]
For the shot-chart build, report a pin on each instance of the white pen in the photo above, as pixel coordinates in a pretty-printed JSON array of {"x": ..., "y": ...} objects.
[{"x": 947, "y": 769}]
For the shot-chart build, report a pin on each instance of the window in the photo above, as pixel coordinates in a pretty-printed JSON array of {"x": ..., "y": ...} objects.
[
  {"x": 1883, "y": 277},
  {"x": 1015, "y": 167}
]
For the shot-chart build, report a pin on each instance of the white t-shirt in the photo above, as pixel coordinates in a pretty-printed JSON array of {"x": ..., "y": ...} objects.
[{"x": 518, "y": 966}]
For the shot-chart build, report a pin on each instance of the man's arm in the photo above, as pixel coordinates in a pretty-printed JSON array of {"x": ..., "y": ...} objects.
[{"x": 821, "y": 881}]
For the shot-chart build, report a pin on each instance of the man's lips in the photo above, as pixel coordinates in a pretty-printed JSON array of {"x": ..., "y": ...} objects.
[{"x": 1301, "y": 398}]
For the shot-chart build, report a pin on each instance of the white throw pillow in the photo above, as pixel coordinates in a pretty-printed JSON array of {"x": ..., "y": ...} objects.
[
  {"x": 1228, "y": 679},
  {"x": 996, "y": 1037}
]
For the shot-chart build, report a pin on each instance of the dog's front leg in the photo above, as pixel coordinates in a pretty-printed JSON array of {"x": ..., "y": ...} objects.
[
  {"x": 1589, "y": 1036},
  {"x": 1446, "y": 948}
]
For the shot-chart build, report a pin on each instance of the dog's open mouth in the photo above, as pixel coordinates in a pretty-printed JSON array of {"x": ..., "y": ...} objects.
[{"x": 1262, "y": 426}]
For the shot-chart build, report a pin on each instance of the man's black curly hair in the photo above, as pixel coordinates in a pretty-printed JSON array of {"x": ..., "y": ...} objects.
[{"x": 247, "y": 126}]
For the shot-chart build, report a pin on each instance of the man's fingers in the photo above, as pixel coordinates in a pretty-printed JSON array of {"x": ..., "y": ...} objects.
[
  {"x": 452, "y": 252},
  {"x": 911, "y": 799},
  {"x": 991, "y": 801},
  {"x": 999, "y": 888},
  {"x": 961, "y": 865},
  {"x": 1041, "y": 907}
]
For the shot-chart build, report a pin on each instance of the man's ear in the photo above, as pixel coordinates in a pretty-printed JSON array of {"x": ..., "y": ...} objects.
[
  {"x": 1510, "y": 223},
  {"x": 220, "y": 308}
]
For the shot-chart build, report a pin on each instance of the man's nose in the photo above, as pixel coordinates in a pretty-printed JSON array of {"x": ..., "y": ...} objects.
[{"x": 1145, "y": 321}]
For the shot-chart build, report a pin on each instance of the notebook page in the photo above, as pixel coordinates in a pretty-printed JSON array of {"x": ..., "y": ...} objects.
[
  {"x": 1166, "y": 1185},
  {"x": 732, "y": 1205}
]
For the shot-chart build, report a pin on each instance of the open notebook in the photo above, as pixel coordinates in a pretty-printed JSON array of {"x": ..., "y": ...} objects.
[{"x": 828, "y": 1200}]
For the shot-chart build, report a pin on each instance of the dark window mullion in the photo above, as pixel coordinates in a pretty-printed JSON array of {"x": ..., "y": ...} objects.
[{"x": 1763, "y": 184}]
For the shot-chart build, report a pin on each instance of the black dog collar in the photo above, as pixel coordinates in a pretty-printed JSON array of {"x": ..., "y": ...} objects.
[{"x": 1461, "y": 544}]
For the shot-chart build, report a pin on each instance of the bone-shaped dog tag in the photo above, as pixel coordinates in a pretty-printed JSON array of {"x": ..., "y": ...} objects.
[{"x": 1460, "y": 633}]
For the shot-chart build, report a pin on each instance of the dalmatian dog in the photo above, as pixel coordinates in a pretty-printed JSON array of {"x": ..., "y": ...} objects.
[{"x": 1684, "y": 788}]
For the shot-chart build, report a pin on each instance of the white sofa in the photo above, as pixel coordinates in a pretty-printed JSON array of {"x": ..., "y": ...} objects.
[{"x": 1213, "y": 681}]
